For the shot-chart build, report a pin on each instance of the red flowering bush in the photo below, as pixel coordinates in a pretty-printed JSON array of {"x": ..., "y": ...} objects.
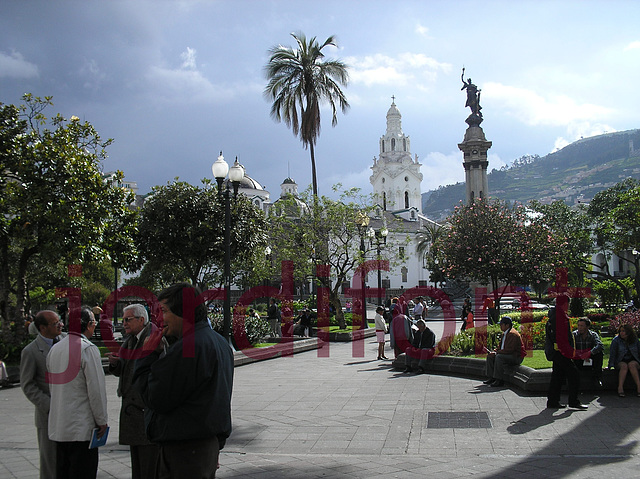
[{"x": 632, "y": 318}]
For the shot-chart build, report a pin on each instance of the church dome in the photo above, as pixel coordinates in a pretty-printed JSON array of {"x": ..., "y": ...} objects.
[{"x": 247, "y": 182}]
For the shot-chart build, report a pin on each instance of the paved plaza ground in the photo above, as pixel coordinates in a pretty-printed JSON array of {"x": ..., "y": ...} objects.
[{"x": 354, "y": 417}]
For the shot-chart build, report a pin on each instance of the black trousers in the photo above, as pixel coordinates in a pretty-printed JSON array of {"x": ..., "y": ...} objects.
[
  {"x": 76, "y": 461},
  {"x": 595, "y": 369},
  {"x": 563, "y": 369},
  {"x": 197, "y": 459}
]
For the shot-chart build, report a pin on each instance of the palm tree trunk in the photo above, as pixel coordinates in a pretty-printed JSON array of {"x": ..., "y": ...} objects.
[{"x": 314, "y": 179}]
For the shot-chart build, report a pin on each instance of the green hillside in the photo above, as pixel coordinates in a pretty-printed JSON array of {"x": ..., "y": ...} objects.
[{"x": 574, "y": 173}]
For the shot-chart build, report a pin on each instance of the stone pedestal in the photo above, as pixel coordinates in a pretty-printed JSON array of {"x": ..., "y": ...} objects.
[{"x": 475, "y": 146}]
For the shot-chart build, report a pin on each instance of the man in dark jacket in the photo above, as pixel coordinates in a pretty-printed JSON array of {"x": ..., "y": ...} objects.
[
  {"x": 422, "y": 348},
  {"x": 144, "y": 454},
  {"x": 187, "y": 391},
  {"x": 509, "y": 353},
  {"x": 560, "y": 350}
]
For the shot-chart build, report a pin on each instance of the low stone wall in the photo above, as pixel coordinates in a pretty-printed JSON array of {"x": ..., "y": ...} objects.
[{"x": 524, "y": 377}]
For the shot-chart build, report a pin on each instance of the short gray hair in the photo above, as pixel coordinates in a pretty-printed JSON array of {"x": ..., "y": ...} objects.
[{"x": 139, "y": 311}]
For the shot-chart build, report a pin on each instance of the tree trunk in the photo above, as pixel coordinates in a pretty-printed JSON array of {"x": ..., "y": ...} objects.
[
  {"x": 5, "y": 286},
  {"x": 314, "y": 179},
  {"x": 21, "y": 293},
  {"x": 337, "y": 304}
]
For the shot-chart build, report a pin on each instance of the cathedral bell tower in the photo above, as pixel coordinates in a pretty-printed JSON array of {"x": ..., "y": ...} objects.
[{"x": 396, "y": 177}]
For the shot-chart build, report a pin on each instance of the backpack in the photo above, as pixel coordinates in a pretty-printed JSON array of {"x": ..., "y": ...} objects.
[{"x": 550, "y": 335}]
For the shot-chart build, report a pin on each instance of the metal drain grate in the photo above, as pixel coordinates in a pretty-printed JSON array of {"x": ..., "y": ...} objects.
[{"x": 458, "y": 420}]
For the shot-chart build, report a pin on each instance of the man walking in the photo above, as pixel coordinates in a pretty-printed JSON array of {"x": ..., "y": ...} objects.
[
  {"x": 187, "y": 392},
  {"x": 144, "y": 454},
  {"x": 78, "y": 400},
  {"x": 33, "y": 368}
]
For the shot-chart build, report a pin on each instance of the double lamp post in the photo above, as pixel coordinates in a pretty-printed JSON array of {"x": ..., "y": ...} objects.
[{"x": 220, "y": 169}]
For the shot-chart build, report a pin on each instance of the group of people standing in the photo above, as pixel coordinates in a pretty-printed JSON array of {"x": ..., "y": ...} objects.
[{"x": 175, "y": 386}]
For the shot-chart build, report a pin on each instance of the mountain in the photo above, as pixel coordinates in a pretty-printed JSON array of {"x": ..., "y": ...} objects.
[{"x": 573, "y": 174}]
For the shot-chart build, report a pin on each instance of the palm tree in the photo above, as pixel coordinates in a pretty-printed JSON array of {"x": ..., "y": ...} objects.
[
  {"x": 430, "y": 234},
  {"x": 300, "y": 81}
]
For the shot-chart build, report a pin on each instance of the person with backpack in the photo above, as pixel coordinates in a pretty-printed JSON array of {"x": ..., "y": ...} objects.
[
  {"x": 511, "y": 352},
  {"x": 559, "y": 348}
]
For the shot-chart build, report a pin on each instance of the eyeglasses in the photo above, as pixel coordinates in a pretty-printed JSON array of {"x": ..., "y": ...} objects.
[{"x": 129, "y": 318}]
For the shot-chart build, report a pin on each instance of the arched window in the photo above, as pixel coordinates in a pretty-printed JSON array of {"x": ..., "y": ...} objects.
[
  {"x": 404, "y": 272},
  {"x": 393, "y": 144},
  {"x": 404, "y": 144},
  {"x": 406, "y": 199},
  {"x": 382, "y": 146},
  {"x": 384, "y": 200}
]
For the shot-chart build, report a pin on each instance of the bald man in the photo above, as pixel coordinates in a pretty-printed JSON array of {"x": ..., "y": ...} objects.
[{"x": 33, "y": 368}]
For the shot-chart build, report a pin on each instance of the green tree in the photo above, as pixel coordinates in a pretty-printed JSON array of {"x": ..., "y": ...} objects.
[
  {"x": 615, "y": 219},
  {"x": 54, "y": 204},
  {"x": 427, "y": 237},
  {"x": 299, "y": 82},
  {"x": 334, "y": 239},
  {"x": 608, "y": 225},
  {"x": 180, "y": 231},
  {"x": 573, "y": 225},
  {"x": 490, "y": 242}
]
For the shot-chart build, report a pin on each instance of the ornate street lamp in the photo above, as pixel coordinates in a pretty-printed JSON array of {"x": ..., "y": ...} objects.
[
  {"x": 380, "y": 237},
  {"x": 362, "y": 221},
  {"x": 220, "y": 168}
]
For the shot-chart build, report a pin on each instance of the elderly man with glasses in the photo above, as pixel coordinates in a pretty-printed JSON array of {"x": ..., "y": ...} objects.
[
  {"x": 33, "y": 368},
  {"x": 137, "y": 328}
]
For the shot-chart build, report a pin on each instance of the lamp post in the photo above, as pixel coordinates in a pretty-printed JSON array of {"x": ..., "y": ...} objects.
[
  {"x": 220, "y": 168},
  {"x": 362, "y": 221},
  {"x": 381, "y": 240}
]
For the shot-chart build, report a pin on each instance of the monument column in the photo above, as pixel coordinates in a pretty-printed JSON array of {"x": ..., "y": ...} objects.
[{"x": 474, "y": 147}]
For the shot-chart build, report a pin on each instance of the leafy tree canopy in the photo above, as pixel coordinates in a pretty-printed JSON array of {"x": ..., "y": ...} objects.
[
  {"x": 325, "y": 233},
  {"x": 55, "y": 202},
  {"x": 182, "y": 231},
  {"x": 489, "y": 241}
]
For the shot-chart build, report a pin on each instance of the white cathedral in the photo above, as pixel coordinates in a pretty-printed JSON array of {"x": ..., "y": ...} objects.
[{"x": 396, "y": 181}]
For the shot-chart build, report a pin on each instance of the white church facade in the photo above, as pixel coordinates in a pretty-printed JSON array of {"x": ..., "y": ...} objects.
[{"x": 396, "y": 180}]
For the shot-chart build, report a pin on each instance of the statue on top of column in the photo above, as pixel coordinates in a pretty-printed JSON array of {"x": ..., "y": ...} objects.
[{"x": 473, "y": 101}]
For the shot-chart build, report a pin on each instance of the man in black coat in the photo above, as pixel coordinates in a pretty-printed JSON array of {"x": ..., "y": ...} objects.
[
  {"x": 144, "y": 454},
  {"x": 187, "y": 391}
]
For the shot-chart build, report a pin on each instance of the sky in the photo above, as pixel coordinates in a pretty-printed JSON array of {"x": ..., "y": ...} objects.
[{"x": 175, "y": 82}]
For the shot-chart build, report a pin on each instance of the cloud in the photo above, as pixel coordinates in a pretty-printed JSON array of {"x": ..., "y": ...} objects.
[
  {"x": 14, "y": 65},
  {"x": 535, "y": 110},
  {"x": 186, "y": 84},
  {"x": 92, "y": 74},
  {"x": 633, "y": 46},
  {"x": 421, "y": 30},
  {"x": 188, "y": 59},
  {"x": 581, "y": 130},
  {"x": 441, "y": 169},
  {"x": 356, "y": 179},
  {"x": 403, "y": 69}
]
